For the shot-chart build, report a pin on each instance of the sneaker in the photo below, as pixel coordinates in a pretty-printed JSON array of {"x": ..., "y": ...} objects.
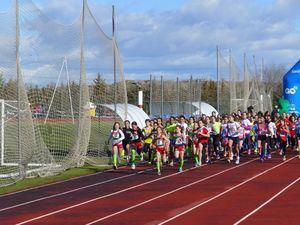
[
  {"x": 133, "y": 166},
  {"x": 237, "y": 162},
  {"x": 115, "y": 167},
  {"x": 171, "y": 163},
  {"x": 218, "y": 157},
  {"x": 149, "y": 163},
  {"x": 159, "y": 173},
  {"x": 228, "y": 160},
  {"x": 180, "y": 169},
  {"x": 231, "y": 157},
  {"x": 269, "y": 156},
  {"x": 284, "y": 158},
  {"x": 280, "y": 153},
  {"x": 249, "y": 152},
  {"x": 299, "y": 156},
  {"x": 142, "y": 158}
]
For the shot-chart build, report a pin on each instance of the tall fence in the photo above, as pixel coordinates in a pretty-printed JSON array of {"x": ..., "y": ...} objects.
[{"x": 54, "y": 113}]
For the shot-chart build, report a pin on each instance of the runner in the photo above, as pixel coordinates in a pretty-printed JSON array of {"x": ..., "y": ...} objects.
[
  {"x": 283, "y": 131},
  {"x": 136, "y": 143},
  {"x": 126, "y": 141},
  {"x": 262, "y": 132},
  {"x": 216, "y": 129},
  {"x": 298, "y": 134},
  {"x": 147, "y": 130},
  {"x": 233, "y": 139},
  {"x": 203, "y": 136},
  {"x": 179, "y": 147},
  {"x": 159, "y": 141},
  {"x": 170, "y": 129},
  {"x": 116, "y": 135}
]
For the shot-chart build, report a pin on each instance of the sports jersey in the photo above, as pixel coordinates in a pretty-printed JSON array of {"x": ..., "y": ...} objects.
[
  {"x": 262, "y": 129},
  {"x": 136, "y": 135},
  {"x": 116, "y": 136},
  {"x": 297, "y": 128},
  {"x": 233, "y": 129},
  {"x": 272, "y": 128},
  {"x": 203, "y": 139},
  {"x": 147, "y": 134},
  {"x": 246, "y": 124},
  {"x": 292, "y": 127},
  {"x": 127, "y": 133},
  {"x": 216, "y": 127},
  {"x": 179, "y": 140}
]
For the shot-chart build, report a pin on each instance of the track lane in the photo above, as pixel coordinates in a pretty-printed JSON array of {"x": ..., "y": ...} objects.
[
  {"x": 284, "y": 207},
  {"x": 233, "y": 205},
  {"x": 161, "y": 209},
  {"x": 103, "y": 207}
]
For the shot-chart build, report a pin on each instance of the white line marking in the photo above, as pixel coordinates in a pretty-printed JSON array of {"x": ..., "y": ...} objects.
[
  {"x": 223, "y": 193},
  {"x": 108, "y": 195},
  {"x": 171, "y": 192},
  {"x": 58, "y": 182},
  {"x": 73, "y": 190},
  {"x": 265, "y": 203}
]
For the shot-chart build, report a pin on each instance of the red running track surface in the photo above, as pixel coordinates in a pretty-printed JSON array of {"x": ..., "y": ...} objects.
[{"x": 155, "y": 199}]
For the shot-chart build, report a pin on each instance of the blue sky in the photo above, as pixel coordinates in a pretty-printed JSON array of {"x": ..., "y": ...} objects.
[{"x": 177, "y": 37}]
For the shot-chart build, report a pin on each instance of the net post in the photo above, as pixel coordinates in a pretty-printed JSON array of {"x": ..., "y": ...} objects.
[
  {"x": 151, "y": 92},
  {"x": 177, "y": 96},
  {"x": 2, "y": 131},
  {"x": 114, "y": 58},
  {"x": 218, "y": 79},
  {"x": 162, "y": 96}
]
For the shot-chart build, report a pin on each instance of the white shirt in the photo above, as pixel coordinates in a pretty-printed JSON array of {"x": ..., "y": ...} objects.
[{"x": 233, "y": 129}]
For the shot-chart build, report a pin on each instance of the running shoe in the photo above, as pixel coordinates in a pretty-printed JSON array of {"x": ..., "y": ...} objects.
[
  {"x": 269, "y": 156},
  {"x": 133, "y": 166},
  {"x": 237, "y": 162},
  {"x": 249, "y": 151},
  {"x": 159, "y": 173},
  {"x": 218, "y": 157},
  {"x": 280, "y": 153},
  {"x": 115, "y": 167},
  {"x": 180, "y": 169},
  {"x": 171, "y": 163},
  {"x": 284, "y": 158},
  {"x": 142, "y": 158},
  {"x": 228, "y": 160},
  {"x": 231, "y": 157}
]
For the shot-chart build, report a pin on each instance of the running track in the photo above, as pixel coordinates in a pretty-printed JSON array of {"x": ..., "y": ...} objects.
[{"x": 221, "y": 193}]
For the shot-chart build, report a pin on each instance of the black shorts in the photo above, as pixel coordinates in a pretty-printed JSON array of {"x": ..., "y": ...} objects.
[
  {"x": 262, "y": 137},
  {"x": 235, "y": 140}
]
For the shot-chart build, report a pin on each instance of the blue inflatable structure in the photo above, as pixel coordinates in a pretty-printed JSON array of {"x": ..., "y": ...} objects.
[{"x": 291, "y": 85}]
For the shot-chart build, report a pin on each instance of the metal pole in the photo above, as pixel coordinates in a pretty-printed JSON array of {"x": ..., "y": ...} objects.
[
  {"x": 114, "y": 52},
  {"x": 177, "y": 96},
  {"x": 18, "y": 85},
  {"x": 200, "y": 92},
  {"x": 218, "y": 80},
  {"x": 190, "y": 95},
  {"x": 162, "y": 96},
  {"x": 150, "y": 100}
]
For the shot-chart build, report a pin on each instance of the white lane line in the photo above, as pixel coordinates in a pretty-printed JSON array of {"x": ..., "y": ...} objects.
[
  {"x": 58, "y": 182},
  {"x": 267, "y": 202},
  {"x": 73, "y": 190},
  {"x": 108, "y": 195},
  {"x": 223, "y": 193},
  {"x": 168, "y": 193}
]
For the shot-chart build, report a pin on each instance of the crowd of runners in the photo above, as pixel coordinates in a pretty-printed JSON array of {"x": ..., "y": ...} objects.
[{"x": 205, "y": 139}]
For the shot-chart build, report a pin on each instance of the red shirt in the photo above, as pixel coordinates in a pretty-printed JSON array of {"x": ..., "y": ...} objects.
[{"x": 203, "y": 139}]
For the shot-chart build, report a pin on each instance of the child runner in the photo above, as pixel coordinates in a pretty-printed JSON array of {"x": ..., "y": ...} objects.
[
  {"x": 195, "y": 144},
  {"x": 159, "y": 144},
  {"x": 246, "y": 124},
  {"x": 233, "y": 139},
  {"x": 147, "y": 140},
  {"x": 179, "y": 146},
  {"x": 298, "y": 134},
  {"x": 170, "y": 129},
  {"x": 283, "y": 131},
  {"x": 224, "y": 136},
  {"x": 216, "y": 129},
  {"x": 203, "y": 136},
  {"x": 292, "y": 128},
  {"x": 126, "y": 141},
  {"x": 116, "y": 135},
  {"x": 136, "y": 143},
  {"x": 262, "y": 132}
]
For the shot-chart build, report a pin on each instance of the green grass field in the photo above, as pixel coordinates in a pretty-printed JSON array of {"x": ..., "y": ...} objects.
[
  {"x": 59, "y": 138},
  {"x": 34, "y": 182}
]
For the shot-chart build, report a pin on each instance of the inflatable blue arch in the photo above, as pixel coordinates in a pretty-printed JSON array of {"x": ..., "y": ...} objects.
[{"x": 291, "y": 85}]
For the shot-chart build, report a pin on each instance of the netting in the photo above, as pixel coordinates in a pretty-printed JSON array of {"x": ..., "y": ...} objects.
[
  {"x": 54, "y": 78},
  {"x": 174, "y": 97}
]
